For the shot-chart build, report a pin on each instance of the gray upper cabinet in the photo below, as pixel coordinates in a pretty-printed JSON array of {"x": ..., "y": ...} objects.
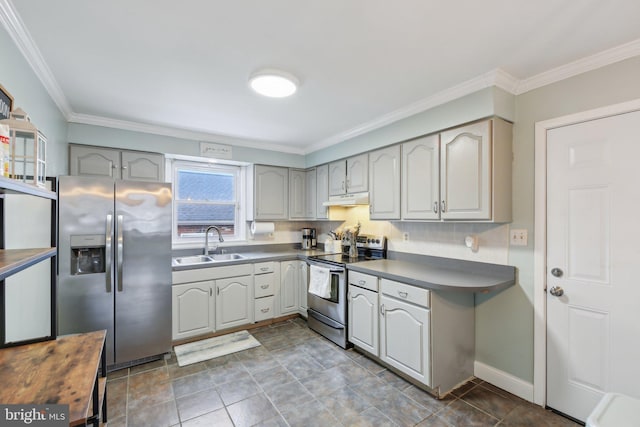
[
  {"x": 460, "y": 174},
  {"x": 475, "y": 172},
  {"x": 384, "y": 176},
  {"x": 349, "y": 176},
  {"x": 322, "y": 191},
  {"x": 271, "y": 192},
  {"x": 297, "y": 193},
  {"x": 310, "y": 194},
  {"x": 302, "y": 194},
  {"x": 421, "y": 178},
  {"x": 85, "y": 160}
]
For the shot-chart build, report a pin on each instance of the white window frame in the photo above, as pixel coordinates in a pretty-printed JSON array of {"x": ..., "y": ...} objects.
[{"x": 176, "y": 163}]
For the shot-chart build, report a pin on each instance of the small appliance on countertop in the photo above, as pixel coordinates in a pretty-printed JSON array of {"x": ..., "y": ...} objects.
[{"x": 308, "y": 238}]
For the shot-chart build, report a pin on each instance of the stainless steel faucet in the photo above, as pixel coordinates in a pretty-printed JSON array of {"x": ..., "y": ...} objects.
[{"x": 206, "y": 237}]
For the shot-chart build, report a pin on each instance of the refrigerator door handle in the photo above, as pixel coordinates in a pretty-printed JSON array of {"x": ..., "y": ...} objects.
[
  {"x": 119, "y": 253},
  {"x": 108, "y": 250}
]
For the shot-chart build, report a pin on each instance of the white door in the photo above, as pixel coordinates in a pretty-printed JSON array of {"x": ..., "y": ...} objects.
[{"x": 593, "y": 297}]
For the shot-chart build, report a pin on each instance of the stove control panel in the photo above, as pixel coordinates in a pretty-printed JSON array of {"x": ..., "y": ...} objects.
[{"x": 369, "y": 241}]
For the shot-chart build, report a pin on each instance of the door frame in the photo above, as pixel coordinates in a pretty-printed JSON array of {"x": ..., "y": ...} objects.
[{"x": 540, "y": 234}]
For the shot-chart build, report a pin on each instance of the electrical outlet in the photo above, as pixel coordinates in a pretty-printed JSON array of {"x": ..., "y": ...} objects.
[
  {"x": 518, "y": 237},
  {"x": 405, "y": 237}
]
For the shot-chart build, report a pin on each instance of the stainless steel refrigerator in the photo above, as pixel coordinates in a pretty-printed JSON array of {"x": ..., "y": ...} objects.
[{"x": 114, "y": 271}]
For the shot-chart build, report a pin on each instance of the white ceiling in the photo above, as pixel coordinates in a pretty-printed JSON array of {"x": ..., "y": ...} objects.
[{"x": 362, "y": 63}]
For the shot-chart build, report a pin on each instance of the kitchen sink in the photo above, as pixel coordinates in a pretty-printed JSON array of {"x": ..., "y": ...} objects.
[
  {"x": 204, "y": 259},
  {"x": 226, "y": 257},
  {"x": 190, "y": 260}
]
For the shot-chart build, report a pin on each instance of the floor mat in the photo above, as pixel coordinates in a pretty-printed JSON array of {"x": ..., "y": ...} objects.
[{"x": 211, "y": 348}]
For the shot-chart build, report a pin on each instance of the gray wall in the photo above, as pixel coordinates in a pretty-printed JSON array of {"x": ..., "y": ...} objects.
[
  {"x": 504, "y": 321},
  {"x": 28, "y": 93},
  {"x": 504, "y": 329}
]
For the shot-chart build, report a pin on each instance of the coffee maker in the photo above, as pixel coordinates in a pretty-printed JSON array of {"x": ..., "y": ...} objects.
[{"x": 308, "y": 238}]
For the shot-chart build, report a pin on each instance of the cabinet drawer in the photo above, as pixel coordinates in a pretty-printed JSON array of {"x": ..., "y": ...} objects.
[
  {"x": 264, "y": 267},
  {"x": 402, "y": 291},
  {"x": 264, "y": 308},
  {"x": 363, "y": 280},
  {"x": 263, "y": 285}
]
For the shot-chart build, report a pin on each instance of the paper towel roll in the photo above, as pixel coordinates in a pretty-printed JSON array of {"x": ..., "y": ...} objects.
[{"x": 262, "y": 227}]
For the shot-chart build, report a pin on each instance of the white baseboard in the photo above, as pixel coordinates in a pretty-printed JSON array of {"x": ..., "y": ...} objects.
[{"x": 505, "y": 381}]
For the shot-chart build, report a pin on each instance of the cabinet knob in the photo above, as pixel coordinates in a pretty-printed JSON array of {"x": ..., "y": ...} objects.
[
  {"x": 124, "y": 167},
  {"x": 435, "y": 207},
  {"x": 265, "y": 310},
  {"x": 264, "y": 286},
  {"x": 403, "y": 294},
  {"x": 444, "y": 206},
  {"x": 382, "y": 310}
]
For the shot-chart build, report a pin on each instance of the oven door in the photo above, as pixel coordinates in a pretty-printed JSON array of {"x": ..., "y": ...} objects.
[{"x": 334, "y": 307}]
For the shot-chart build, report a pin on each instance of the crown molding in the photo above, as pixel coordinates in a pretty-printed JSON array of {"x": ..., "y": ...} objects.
[
  {"x": 496, "y": 77},
  {"x": 25, "y": 44},
  {"x": 88, "y": 119},
  {"x": 582, "y": 65},
  {"x": 12, "y": 22}
]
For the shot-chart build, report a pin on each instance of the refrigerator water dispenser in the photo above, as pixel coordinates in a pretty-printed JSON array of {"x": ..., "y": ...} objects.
[{"x": 87, "y": 254}]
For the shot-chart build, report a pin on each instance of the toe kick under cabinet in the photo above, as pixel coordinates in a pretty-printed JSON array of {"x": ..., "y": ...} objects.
[{"x": 426, "y": 336}]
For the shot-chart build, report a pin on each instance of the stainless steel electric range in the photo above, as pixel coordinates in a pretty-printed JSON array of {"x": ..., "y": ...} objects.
[{"x": 328, "y": 316}]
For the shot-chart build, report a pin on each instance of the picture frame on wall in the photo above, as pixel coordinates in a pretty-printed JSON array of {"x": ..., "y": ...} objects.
[{"x": 6, "y": 103}]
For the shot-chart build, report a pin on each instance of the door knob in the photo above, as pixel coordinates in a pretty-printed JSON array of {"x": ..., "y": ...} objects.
[
  {"x": 556, "y": 291},
  {"x": 556, "y": 272}
]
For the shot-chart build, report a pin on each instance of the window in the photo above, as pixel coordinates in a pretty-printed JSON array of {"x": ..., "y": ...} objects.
[{"x": 206, "y": 194}]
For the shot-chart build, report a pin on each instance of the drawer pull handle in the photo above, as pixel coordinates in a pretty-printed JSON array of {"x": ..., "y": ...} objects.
[
  {"x": 264, "y": 286},
  {"x": 403, "y": 294},
  {"x": 265, "y": 310},
  {"x": 264, "y": 268},
  {"x": 362, "y": 282}
]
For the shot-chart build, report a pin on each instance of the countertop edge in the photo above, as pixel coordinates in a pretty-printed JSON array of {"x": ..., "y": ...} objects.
[{"x": 497, "y": 283}]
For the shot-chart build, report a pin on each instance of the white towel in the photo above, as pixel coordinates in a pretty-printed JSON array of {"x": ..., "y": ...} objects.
[{"x": 320, "y": 281}]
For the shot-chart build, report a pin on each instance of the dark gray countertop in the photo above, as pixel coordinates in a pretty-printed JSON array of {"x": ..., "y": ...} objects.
[
  {"x": 257, "y": 256},
  {"x": 441, "y": 274}
]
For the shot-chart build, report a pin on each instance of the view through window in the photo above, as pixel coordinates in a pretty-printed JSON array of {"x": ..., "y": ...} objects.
[{"x": 204, "y": 196}]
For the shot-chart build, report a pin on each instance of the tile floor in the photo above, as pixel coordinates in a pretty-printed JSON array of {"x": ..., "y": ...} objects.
[{"x": 297, "y": 378}]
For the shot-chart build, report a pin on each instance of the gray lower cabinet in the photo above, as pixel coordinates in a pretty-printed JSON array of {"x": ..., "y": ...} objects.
[
  {"x": 193, "y": 309},
  {"x": 426, "y": 335},
  {"x": 264, "y": 283},
  {"x": 289, "y": 287},
  {"x": 234, "y": 302},
  {"x": 86, "y": 160}
]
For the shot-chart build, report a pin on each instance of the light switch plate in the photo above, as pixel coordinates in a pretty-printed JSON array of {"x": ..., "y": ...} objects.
[{"x": 518, "y": 237}]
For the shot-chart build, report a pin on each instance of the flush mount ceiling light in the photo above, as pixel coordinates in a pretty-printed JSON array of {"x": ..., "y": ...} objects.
[{"x": 273, "y": 83}]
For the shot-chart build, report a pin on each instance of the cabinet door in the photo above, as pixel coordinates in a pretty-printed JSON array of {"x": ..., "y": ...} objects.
[
  {"x": 303, "y": 287},
  {"x": 322, "y": 191},
  {"x": 337, "y": 178},
  {"x": 138, "y": 166},
  {"x": 465, "y": 167},
  {"x": 421, "y": 178},
  {"x": 310, "y": 194},
  {"x": 289, "y": 287},
  {"x": 234, "y": 302},
  {"x": 271, "y": 189},
  {"x": 384, "y": 176},
  {"x": 405, "y": 338},
  {"x": 297, "y": 189},
  {"x": 358, "y": 173},
  {"x": 94, "y": 161},
  {"x": 363, "y": 319},
  {"x": 193, "y": 309}
]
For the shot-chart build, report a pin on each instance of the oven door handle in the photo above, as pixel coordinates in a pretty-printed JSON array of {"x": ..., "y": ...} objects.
[{"x": 325, "y": 265}]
